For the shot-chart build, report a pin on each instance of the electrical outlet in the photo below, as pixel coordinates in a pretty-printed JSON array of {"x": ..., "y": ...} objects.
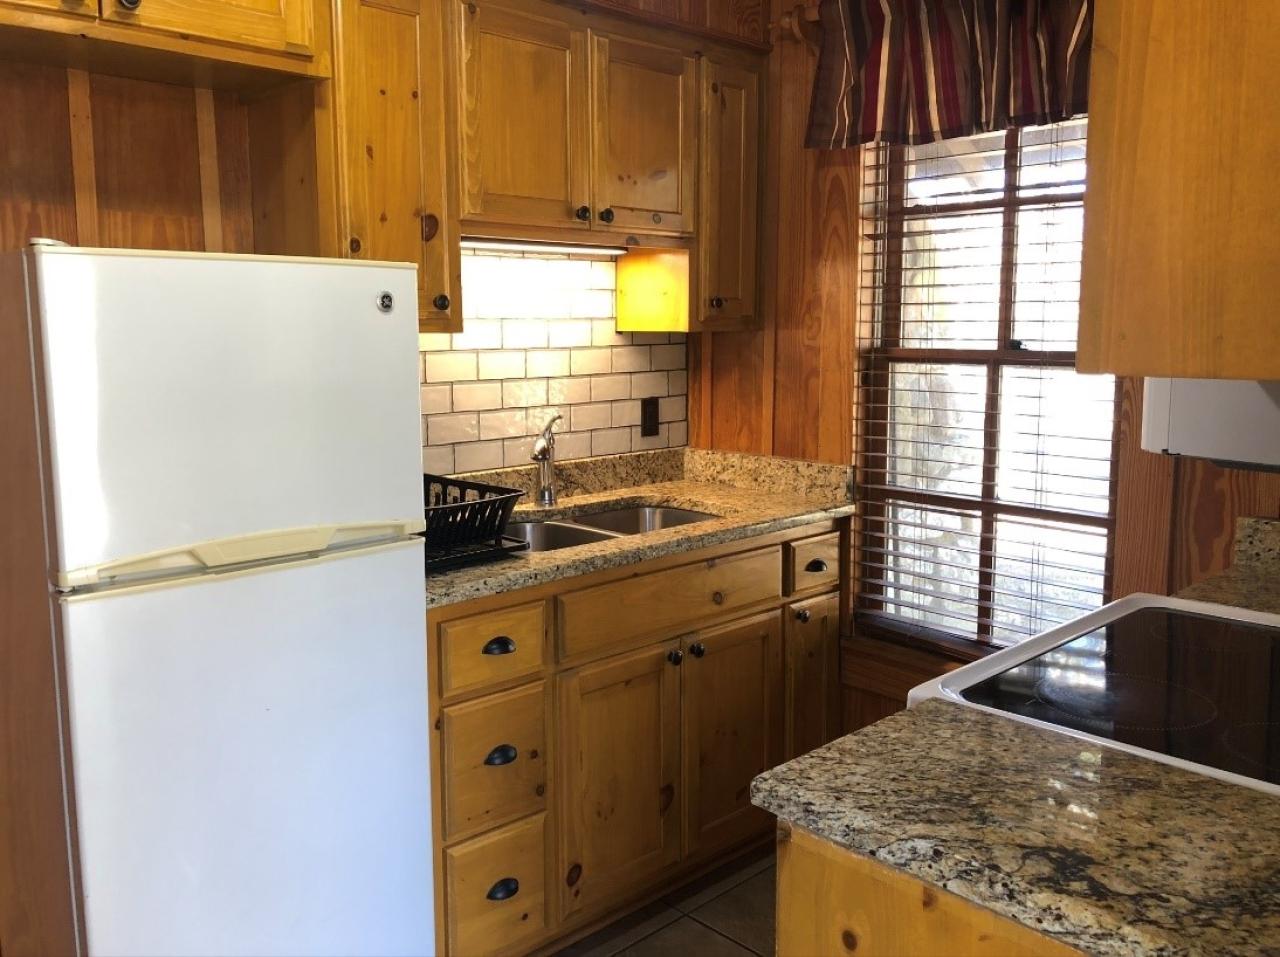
[{"x": 649, "y": 416}]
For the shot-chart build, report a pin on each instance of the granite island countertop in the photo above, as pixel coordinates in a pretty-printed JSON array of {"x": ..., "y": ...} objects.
[
  {"x": 750, "y": 495},
  {"x": 1105, "y": 851}
]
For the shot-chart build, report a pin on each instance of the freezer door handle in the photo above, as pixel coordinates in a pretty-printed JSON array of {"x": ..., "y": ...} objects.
[{"x": 262, "y": 546}]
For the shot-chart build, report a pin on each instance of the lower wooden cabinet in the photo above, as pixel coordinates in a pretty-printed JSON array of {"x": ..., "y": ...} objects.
[
  {"x": 620, "y": 779},
  {"x": 730, "y": 711},
  {"x": 495, "y": 890},
  {"x": 812, "y": 703}
]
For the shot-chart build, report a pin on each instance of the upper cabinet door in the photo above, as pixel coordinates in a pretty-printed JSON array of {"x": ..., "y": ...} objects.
[
  {"x": 394, "y": 123},
  {"x": 1181, "y": 268},
  {"x": 729, "y": 189},
  {"x": 645, "y": 137},
  {"x": 525, "y": 115},
  {"x": 285, "y": 25}
]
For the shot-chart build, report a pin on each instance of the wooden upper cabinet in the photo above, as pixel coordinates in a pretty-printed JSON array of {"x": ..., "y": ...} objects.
[
  {"x": 394, "y": 136},
  {"x": 525, "y": 109},
  {"x": 645, "y": 136},
  {"x": 619, "y": 788},
  {"x": 281, "y": 25},
  {"x": 730, "y": 159},
  {"x": 731, "y": 704},
  {"x": 1181, "y": 265}
]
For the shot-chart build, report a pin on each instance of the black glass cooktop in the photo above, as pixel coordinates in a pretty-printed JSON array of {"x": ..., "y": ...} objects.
[{"x": 1202, "y": 689}]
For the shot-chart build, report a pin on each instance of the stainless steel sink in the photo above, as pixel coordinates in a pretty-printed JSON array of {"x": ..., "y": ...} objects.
[
  {"x": 633, "y": 521},
  {"x": 549, "y": 536}
]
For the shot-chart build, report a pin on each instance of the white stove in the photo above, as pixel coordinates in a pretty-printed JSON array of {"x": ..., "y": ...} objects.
[{"x": 1189, "y": 683}]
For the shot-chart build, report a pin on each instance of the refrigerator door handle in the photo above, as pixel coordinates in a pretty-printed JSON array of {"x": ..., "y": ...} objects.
[{"x": 223, "y": 552}]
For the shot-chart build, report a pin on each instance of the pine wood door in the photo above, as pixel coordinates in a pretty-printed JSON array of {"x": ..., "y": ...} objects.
[
  {"x": 525, "y": 115},
  {"x": 728, "y": 191},
  {"x": 619, "y": 725},
  {"x": 811, "y": 710},
  {"x": 645, "y": 136},
  {"x": 395, "y": 133},
  {"x": 731, "y": 703},
  {"x": 284, "y": 25}
]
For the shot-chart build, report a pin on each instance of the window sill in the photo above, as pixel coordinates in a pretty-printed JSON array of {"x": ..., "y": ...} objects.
[{"x": 872, "y": 624}]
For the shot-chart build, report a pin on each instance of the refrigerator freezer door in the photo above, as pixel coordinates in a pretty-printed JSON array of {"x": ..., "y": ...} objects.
[
  {"x": 197, "y": 398},
  {"x": 250, "y": 760}
]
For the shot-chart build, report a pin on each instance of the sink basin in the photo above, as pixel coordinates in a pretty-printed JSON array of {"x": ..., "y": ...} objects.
[
  {"x": 633, "y": 521},
  {"x": 549, "y": 536}
]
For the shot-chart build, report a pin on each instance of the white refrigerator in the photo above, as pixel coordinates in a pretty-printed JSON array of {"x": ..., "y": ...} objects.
[{"x": 231, "y": 463}]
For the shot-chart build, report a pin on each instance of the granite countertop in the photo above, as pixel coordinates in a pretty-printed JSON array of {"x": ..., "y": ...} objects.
[
  {"x": 1109, "y": 852},
  {"x": 750, "y": 495},
  {"x": 1105, "y": 851}
]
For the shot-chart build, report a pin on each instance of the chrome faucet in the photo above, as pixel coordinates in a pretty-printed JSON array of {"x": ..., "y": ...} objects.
[{"x": 544, "y": 453}]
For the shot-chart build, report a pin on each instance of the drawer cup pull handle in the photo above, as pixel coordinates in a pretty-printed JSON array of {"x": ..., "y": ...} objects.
[
  {"x": 504, "y": 890},
  {"x": 502, "y": 754},
  {"x": 816, "y": 565},
  {"x": 502, "y": 645}
]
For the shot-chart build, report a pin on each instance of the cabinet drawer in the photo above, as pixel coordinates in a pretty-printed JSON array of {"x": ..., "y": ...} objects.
[
  {"x": 813, "y": 563},
  {"x": 494, "y": 756},
  {"x": 620, "y": 612},
  {"x": 495, "y": 890},
  {"x": 491, "y": 648}
]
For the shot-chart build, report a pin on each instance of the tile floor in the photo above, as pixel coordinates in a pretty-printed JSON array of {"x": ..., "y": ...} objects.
[{"x": 726, "y": 913}]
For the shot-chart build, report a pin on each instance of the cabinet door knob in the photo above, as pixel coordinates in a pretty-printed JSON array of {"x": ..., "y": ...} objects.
[
  {"x": 501, "y": 645},
  {"x": 502, "y": 754},
  {"x": 441, "y": 302},
  {"x": 717, "y": 302},
  {"x": 505, "y": 889},
  {"x": 816, "y": 565},
  {"x": 697, "y": 649},
  {"x": 583, "y": 213},
  {"x": 606, "y": 215},
  {"x": 130, "y": 4},
  {"x": 803, "y": 616},
  {"x": 574, "y": 875},
  {"x": 718, "y": 597},
  {"x": 675, "y": 656}
]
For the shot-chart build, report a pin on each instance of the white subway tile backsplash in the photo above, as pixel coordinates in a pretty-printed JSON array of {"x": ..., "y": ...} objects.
[
  {"x": 455, "y": 427},
  {"x": 473, "y": 396},
  {"x": 610, "y": 441},
  {"x": 646, "y": 384},
  {"x": 524, "y": 393},
  {"x": 504, "y": 425},
  {"x": 589, "y": 362},
  {"x": 546, "y": 363},
  {"x": 477, "y": 456},
  {"x": 501, "y": 365},
  {"x": 569, "y": 391},
  {"x": 437, "y": 398},
  {"x": 631, "y": 358},
  {"x": 540, "y": 339},
  {"x": 450, "y": 366},
  {"x": 605, "y": 388},
  {"x": 584, "y": 418}
]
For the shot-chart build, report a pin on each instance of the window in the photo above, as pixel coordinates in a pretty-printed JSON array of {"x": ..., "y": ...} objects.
[{"x": 984, "y": 460}]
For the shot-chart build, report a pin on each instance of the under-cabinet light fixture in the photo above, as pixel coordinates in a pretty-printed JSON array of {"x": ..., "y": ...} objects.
[
  {"x": 653, "y": 291},
  {"x": 550, "y": 249}
]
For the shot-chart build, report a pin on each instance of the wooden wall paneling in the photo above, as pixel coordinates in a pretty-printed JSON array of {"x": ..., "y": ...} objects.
[
  {"x": 235, "y": 186},
  {"x": 210, "y": 186},
  {"x": 37, "y": 190},
  {"x": 738, "y": 371},
  {"x": 743, "y": 18},
  {"x": 83, "y": 169},
  {"x": 292, "y": 160},
  {"x": 37, "y": 897},
  {"x": 1141, "y": 544},
  {"x": 1207, "y": 501},
  {"x": 147, "y": 164}
]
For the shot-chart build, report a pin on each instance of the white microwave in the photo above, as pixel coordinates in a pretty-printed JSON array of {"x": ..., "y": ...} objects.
[{"x": 1231, "y": 421}]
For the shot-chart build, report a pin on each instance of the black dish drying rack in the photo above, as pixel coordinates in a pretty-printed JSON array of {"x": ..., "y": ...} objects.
[{"x": 466, "y": 521}]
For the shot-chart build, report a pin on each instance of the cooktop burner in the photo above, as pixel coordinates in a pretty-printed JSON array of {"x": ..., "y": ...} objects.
[{"x": 1191, "y": 686}]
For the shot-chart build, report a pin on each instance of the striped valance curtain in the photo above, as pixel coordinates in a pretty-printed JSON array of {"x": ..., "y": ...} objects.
[{"x": 919, "y": 71}]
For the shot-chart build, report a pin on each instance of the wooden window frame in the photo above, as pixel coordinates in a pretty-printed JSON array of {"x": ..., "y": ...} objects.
[{"x": 874, "y": 492}]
